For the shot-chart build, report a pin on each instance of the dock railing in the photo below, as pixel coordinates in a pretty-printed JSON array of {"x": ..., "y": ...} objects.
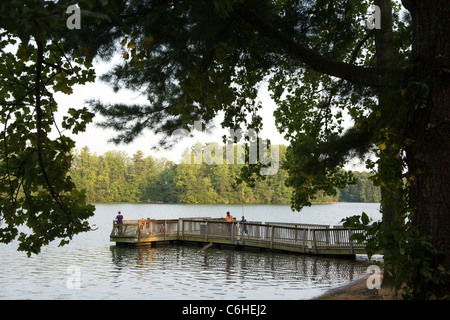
[
  {"x": 306, "y": 236},
  {"x": 311, "y": 238},
  {"x": 129, "y": 228},
  {"x": 145, "y": 230}
]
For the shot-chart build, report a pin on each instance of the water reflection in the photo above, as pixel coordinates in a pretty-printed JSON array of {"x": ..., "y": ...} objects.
[
  {"x": 181, "y": 271},
  {"x": 178, "y": 272}
]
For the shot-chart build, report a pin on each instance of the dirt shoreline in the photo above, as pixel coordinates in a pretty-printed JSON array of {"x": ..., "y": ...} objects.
[{"x": 357, "y": 290}]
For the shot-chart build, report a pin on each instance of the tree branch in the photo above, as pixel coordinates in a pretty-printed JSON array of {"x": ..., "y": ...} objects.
[
  {"x": 37, "y": 93},
  {"x": 352, "y": 73}
]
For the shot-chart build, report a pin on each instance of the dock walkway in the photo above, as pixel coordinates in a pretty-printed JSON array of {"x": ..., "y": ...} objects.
[{"x": 291, "y": 237}]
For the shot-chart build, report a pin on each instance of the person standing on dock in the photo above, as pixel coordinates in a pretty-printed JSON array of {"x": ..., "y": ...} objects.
[
  {"x": 119, "y": 218},
  {"x": 119, "y": 221},
  {"x": 229, "y": 218},
  {"x": 243, "y": 226}
]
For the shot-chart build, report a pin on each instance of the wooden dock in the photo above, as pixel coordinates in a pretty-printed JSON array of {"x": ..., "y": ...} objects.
[{"x": 290, "y": 237}]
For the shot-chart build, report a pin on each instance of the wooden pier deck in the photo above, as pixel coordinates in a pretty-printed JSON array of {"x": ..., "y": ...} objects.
[{"x": 290, "y": 237}]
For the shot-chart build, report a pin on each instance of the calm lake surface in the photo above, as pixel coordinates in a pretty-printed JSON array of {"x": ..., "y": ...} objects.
[{"x": 92, "y": 267}]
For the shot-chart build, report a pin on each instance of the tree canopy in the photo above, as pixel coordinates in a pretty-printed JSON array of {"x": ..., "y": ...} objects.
[
  {"x": 35, "y": 189},
  {"x": 118, "y": 177}
]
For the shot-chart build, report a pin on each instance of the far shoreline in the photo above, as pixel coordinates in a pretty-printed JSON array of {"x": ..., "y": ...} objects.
[{"x": 226, "y": 204}]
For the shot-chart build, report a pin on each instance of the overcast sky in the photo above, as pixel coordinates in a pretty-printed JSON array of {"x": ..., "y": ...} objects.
[{"x": 97, "y": 139}]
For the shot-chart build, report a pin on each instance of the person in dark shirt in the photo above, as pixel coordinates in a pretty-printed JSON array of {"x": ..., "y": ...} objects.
[
  {"x": 242, "y": 225},
  {"x": 119, "y": 221},
  {"x": 119, "y": 218}
]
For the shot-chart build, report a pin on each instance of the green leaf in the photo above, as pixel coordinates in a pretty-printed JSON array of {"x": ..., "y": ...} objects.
[{"x": 365, "y": 219}]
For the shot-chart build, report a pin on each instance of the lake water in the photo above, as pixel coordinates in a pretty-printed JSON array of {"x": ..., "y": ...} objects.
[{"x": 91, "y": 267}]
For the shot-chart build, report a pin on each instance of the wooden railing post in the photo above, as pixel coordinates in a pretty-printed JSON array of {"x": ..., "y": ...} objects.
[
  {"x": 139, "y": 231},
  {"x": 271, "y": 237},
  {"x": 314, "y": 239},
  {"x": 182, "y": 229},
  {"x": 165, "y": 230},
  {"x": 296, "y": 234},
  {"x": 232, "y": 232},
  {"x": 350, "y": 233},
  {"x": 310, "y": 234},
  {"x": 304, "y": 238}
]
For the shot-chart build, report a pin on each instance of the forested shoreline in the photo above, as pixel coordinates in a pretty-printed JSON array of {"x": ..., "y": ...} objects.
[{"x": 116, "y": 176}]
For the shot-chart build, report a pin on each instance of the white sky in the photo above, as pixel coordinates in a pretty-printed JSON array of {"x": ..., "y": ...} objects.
[{"x": 97, "y": 139}]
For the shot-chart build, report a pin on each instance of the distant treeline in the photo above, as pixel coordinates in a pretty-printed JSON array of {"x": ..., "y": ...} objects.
[{"x": 117, "y": 177}]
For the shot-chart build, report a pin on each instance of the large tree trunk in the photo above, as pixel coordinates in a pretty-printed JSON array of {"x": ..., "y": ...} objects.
[
  {"x": 428, "y": 156},
  {"x": 389, "y": 170}
]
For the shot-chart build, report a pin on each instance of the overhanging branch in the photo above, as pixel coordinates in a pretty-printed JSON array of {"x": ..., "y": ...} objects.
[{"x": 346, "y": 71}]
